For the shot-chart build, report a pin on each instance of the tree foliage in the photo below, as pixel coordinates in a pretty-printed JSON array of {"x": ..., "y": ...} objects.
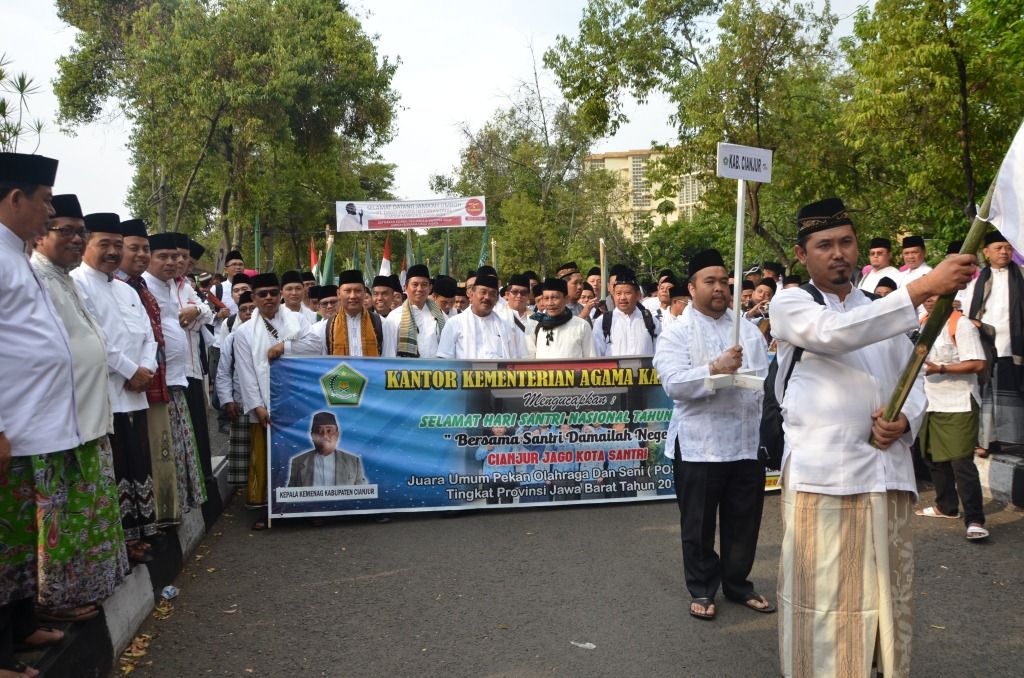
[
  {"x": 239, "y": 109},
  {"x": 15, "y": 124}
]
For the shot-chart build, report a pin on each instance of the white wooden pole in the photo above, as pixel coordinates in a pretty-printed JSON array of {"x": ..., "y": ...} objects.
[{"x": 737, "y": 287}]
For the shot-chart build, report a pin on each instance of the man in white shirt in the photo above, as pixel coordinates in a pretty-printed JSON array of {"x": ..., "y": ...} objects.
[
  {"x": 271, "y": 332},
  {"x": 880, "y": 258},
  {"x": 229, "y": 393},
  {"x": 914, "y": 258},
  {"x": 382, "y": 295},
  {"x": 479, "y": 333},
  {"x": 517, "y": 296},
  {"x": 713, "y": 440},
  {"x": 233, "y": 265},
  {"x": 629, "y": 329},
  {"x": 442, "y": 291},
  {"x": 660, "y": 304},
  {"x": 37, "y": 368},
  {"x": 570, "y": 273},
  {"x": 131, "y": 363},
  {"x": 413, "y": 329},
  {"x": 835, "y": 482},
  {"x": 353, "y": 330},
  {"x": 558, "y": 332},
  {"x": 950, "y": 429},
  {"x": 996, "y": 299},
  {"x": 293, "y": 294},
  {"x": 161, "y": 281}
]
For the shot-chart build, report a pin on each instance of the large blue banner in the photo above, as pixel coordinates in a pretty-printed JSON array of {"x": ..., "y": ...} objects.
[{"x": 374, "y": 435}]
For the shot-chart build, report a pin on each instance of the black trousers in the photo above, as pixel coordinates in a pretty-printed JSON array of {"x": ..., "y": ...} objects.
[
  {"x": 957, "y": 481},
  {"x": 732, "y": 492},
  {"x": 197, "y": 408}
]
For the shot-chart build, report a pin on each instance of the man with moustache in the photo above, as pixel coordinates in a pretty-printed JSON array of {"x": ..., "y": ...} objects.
[
  {"x": 480, "y": 333},
  {"x": 413, "y": 330},
  {"x": 271, "y": 332},
  {"x": 516, "y": 297},
  {"x": 131, "y": 362},
  {"x": 846, "y": 600},
  {"x": 629, "y": 328},
  {"x": 353, "y": 331},
  {"x": 229, "y": 393},
  {"x": 54, "y": 256},
  {"x": 161, "y": 278},
  {"x": 326, "y": 465},
  {"x": 713, "y": 440}
]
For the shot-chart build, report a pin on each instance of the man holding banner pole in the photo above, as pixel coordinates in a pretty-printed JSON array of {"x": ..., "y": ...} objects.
[
  {"x": 713, "y": 440},
  {"x": 847, "y": 559}
]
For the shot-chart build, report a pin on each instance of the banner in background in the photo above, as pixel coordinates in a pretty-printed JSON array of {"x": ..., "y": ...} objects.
[
  {"x": 393, "y": 214},
  {"x": 423, "y": 435}
]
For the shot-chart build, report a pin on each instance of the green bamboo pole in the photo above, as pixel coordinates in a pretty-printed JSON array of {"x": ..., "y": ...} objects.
[{"x": 936, "y": 321}]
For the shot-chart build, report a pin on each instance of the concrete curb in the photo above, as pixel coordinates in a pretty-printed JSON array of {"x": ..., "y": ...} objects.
[
  {"x": 1002, "y": 477},
  {"x": 91, "y": 649}
]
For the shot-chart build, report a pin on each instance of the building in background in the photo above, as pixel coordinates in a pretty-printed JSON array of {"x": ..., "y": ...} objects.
[{"x": 639, "y": 211}]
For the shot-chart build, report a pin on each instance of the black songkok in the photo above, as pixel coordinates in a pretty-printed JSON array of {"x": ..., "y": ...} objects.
[
  {"x": 519, "y": 280},
  {"x": 245, "y": 298},
  {"x": 568, "y": 268},
  {"x": 233, "y": 255},
  {"x": 265, "y": 280},
  {"x": 486, "y": 270},
  {"x": 913, "y": 241},
  {"x": 884, "y": 243},
  {"x": 103, "y": 222},
  {"x": 67, "y": 206},
  {"x": 556, "y": 285},
  {"x": 775, "y": 267},
  {"x": 954, "y": 247},
  {"x": 486, "y": 280},
  {"x": 886, "y": 282},
  {"x": 162, "y": 241},
  {"x": 307, "y": 276},
  {"x": 705, "y": 259},
  {"x": 994, "y": 237},
  {"x": 417, "y": 271},
  {"x": 381, "y": 281},
  {"x": 748, "y": 285},
  {"x": 195, "y": 250},
  {"x": 323, "y": 419},
  {"x": 327, "y": 291},
  {"x": 291, "y": 277},
  {"x": 241, "y": 279},
  {"x": 446, "y": 287},
  {"x": 28, "y": 170},
  {"x": 351, "y": 276},
  {"x": 820, "y": 216},
  {"x": 792, "y": 280},
  {"x": 594, "y": 270},
  {"x": 134, "y": 227}
]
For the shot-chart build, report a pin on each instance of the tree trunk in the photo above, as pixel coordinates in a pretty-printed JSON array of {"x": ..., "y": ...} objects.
[
  {"x": 970, "y": 209},
  {"x": 225, "y": 229},
  {"x": 161, "y": 201},
  {"x": 195, "y": 167}
]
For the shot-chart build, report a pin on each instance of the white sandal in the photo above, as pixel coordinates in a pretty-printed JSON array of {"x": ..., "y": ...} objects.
[
  {"x": 975, "y": 532},
  {"x": 932, "y": 512}
]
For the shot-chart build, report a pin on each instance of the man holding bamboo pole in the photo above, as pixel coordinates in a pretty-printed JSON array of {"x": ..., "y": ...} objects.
[{"x": 847, "y": 560}]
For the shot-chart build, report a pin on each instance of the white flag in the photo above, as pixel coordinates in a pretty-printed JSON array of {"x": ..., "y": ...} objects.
[{"x": 1007, "y": 207}]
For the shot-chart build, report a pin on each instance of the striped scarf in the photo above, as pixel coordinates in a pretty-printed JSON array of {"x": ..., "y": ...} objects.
[
  {"x": 157, "y": 391},
  {"x": 408, "y": 345}
]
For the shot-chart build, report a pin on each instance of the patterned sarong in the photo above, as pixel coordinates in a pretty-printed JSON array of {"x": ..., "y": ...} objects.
[
  {"x": 165, "y": 470},
  {"x": 191, "y": 490},
  {"x": 238, "y": 450},
  {"x": 845, "y": 584},
  {"x": 133, "y": 470},
  {"x": 60, "y": 532}
]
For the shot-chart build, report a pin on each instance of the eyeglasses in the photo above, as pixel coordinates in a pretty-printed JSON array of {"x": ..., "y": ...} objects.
[
  {"x": 516, "y": 293},
  {"x": 69, "y": 231},
  {"x": 263, "y": 294}
]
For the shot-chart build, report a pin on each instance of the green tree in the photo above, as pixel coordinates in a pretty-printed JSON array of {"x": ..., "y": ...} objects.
[
  {"x": 239, "y": 108},
  {"x": 736, "y": 71},
  {"x": 935, "y": 101}
]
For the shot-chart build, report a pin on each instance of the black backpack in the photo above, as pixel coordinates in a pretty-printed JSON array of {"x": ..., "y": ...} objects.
[
  {"x": 772, "y": 440},
  {"x": 606, "y": 322}
]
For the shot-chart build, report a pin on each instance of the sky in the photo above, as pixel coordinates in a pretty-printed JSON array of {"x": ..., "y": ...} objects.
[{"x": 461, "y": 60}]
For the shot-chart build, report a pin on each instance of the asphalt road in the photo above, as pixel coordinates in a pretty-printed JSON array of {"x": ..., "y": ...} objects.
[{"x": 508, "y": 593}]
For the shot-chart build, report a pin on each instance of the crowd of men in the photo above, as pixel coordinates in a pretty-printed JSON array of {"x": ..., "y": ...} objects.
[{"x": 115, "y": 347}]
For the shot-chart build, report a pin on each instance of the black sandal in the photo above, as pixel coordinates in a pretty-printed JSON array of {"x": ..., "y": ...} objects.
[
  {"x": 750, "y": 598},
  {"x": 706, "y": 603}
]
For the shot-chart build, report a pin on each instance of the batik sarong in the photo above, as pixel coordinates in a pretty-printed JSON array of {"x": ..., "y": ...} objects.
[
  {"x": 256, "y": 486},
  {"x": 191, "y": 489},
  {"x": 165, "y": 470},
  {"x": 60, "y": 532}
]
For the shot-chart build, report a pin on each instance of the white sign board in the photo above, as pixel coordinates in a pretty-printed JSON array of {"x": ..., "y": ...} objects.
[
  {"x": 384, "y": 215},
  {"x": 744, "y": 162}
]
